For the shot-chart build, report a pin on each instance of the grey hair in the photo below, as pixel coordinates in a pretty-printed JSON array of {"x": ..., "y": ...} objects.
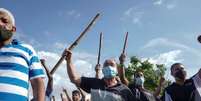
[{"x": 9, "y": 14}]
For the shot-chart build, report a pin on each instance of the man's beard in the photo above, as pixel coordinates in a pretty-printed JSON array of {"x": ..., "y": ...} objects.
[{"x": 5, "y": 34}]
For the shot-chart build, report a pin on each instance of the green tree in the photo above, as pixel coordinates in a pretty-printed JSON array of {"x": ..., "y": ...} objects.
[{"x": 152, "y": 72}]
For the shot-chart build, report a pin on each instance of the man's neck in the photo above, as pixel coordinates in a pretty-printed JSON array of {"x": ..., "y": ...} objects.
[
  {"x": 180, "y": 82},
  {"x": 5, "y": 43},
  {"x": 141, "y": 88},
  {"x": 113, "y": 83}
]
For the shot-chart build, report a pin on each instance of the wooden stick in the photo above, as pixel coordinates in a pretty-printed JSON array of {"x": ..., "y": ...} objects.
[
  {"x": 97, "y": 68},
  {"x": 125, "y": 43},
  {"x": 75, "y": 43},
  {"x": 100, "y": 46}
]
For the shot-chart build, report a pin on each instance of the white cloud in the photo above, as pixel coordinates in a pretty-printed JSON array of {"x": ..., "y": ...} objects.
[
  {"x": 59, "y": 45},
  {"x": 158, "y": 2},
  {"x": 83, "y": 62},
  {"x": 48, "y": 56},
  {"x": 48, "y": 33},
  {"x": 167, "y": 58},
  {"x": 132, "y": 14},
  {"x": 157, "y": 42},
  {"x": 181, "y": 53},
  {"x": 171, "y": 6},
  {"x": 86, "y": 68},
  {"x": 70, "y": 13},
  {"x": 128, "y": 12},
  {"x": 24, "y": 37}
]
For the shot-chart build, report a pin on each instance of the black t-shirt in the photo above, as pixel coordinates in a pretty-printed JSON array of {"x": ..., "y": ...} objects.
[
  {"x": 88, "y": 84},
  {"x": 141, "y": 96},
  {"x": 181, "y": 92}
]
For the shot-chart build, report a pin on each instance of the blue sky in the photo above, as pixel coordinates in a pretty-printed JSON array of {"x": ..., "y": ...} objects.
[{"x": 165, "y": 31}]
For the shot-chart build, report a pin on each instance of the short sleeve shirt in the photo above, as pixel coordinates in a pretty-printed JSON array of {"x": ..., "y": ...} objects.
[
  {"x": 19, "y": 63},
  {"x": 91, "y": 84}
]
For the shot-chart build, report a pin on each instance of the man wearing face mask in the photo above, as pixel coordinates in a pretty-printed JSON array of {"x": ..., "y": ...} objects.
[
  {"x": 106, "y": 89},
  {"x": 183, "y": 89},
  {"x": 141, "y": 94},
  {"x": 137, "y": 87},
  {"x": 18, "y": 64}
]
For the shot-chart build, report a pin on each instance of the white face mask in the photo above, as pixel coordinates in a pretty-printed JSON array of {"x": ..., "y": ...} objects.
[
  {"x": 139, "y": 81},
  {"x": 109, "y": 71}
]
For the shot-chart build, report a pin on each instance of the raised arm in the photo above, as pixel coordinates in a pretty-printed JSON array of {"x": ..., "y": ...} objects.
[
  {"x": 66, "y": 93},
  {"x": 98, "y": 71},
  {"x": 121, "y": 69},
  {"x": 52, "y": 98},
  {"x": 82, "y": 93},
  {"x": 46, "y": 69},
  {"x": 63, "y": 98},
  {"x": 158, "y": 89},
  {"x": 76, "y": 79},
  {"x": 49, "y": 88}
]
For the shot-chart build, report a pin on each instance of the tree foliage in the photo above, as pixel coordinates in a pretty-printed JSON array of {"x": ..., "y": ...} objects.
[{"x": 152, "y": 72}]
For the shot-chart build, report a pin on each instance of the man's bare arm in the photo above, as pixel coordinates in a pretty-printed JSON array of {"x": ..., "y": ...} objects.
[
  {"x": 38, "y": 89},
  {"x": 76, "y": 79},
  {"x": 98, "y": 71},
  {"x": 158, "y": 89},
  {"x": 121, "y": 70},
  {"x": 52, "y": 98},
  {"x": 66, "y": 93},
  {"x": 50, "y": 78},
  {"x": 46, "y": 69}
]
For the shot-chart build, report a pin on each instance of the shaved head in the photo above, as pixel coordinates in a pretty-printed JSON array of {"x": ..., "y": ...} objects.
[
  {"x": 8, "y": 13},
  {"x": 110, "y": 62}
]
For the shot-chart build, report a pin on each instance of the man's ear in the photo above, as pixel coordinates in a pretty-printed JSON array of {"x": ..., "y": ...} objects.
[
  {"x": 14, "y": 29},
  {"x": 172, "y": 73}
]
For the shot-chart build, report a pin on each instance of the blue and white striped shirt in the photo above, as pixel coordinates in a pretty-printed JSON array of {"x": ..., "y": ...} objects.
[{"x": 19, "y": 63}]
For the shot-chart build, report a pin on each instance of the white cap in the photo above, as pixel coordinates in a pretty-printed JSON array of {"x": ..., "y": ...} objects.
[{"x": 9, "y": 14}]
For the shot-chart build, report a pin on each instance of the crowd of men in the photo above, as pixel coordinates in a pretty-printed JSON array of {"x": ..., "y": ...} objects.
[{"x": 19, "y": 65}]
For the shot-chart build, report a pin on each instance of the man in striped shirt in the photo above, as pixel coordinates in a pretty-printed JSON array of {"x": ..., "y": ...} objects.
[{"x": 19, "y": 64}]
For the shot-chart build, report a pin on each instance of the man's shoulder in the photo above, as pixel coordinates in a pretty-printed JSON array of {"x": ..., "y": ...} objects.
[
  {"x": 189, "y": 82},
  {"x": 92, "y": 80},
  {"x": 20, "y": 44},
  {"x": 121, "y": 87},
  {"x": 171, "y": 87},
  {"x": 132, "y": 85},
  {"x": 125, "y": 92},
  {"x": 88, "y": 83}
]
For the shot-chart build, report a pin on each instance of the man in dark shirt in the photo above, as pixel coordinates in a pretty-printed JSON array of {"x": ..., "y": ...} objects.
[
  {"x": 181, "y": 89},
  {"x": 137, "y": 87},
  {"x": 108, "y": 88}
]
